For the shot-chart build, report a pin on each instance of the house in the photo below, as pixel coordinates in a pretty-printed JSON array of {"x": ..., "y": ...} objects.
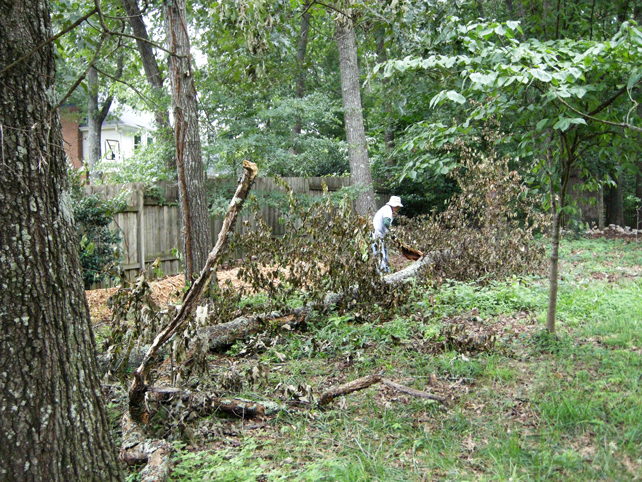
[{"x": 120, "y": 135}]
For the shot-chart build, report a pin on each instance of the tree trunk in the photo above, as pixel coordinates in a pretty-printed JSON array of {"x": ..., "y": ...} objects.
[
  {"x": 302, "y": 46},
  {"x": 152, "y": 73},
  {"x": 389, "y": 133},
  {"x": 638, "y": 194},
  {"x": 96, "y": 117},
  {"x": 600, "y": 207},
  {"x": 53, "y": 423},
  {"x": 189, "y": 164},
  {"x": 93, "y": 123},
  {"x": 566, "y": 166},
  {"x": 614, "y": 204},
  {"x": 360, "y": 173},
  {"x": 553, "y": 274}
]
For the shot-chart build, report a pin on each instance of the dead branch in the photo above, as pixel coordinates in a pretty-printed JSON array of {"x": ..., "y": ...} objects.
[
  {"x": 411, "y": 391},
  {"x": 353, "y": 386},
  {"x": 365, "y": 382},
  {"x": 139, "y": 385}
]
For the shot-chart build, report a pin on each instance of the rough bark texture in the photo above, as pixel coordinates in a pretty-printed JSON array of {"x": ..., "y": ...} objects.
[
  {"x": 139, "y": 386},
  {"x": 189, "y": 164},
  {"x": 152, "y": 72},
  {"x": 53, "y": 425},
  {"x": 360, "y": 173}
]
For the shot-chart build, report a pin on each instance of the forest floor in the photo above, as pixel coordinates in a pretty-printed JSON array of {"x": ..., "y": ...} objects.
[{"x": 520, "y": 404}]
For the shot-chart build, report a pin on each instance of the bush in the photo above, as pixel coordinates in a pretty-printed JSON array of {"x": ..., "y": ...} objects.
[{"x": 98, "y": 245}]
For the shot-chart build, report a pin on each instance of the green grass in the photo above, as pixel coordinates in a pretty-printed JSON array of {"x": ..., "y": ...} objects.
[{"x": 533, "y": 408}]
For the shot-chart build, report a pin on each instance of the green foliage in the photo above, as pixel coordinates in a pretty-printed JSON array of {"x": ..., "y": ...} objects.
[
  {"x": 221, "y": 466},
  {"x": 147, "y": 165},
  {"x": 98, "y": 245}
]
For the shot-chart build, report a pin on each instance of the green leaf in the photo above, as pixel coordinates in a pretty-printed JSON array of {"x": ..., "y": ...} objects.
[
  {"x": 634, "y": 78},
  {"x": 541, "y": 75},
  {"x": 540, "y": 125},
  {"x": 562, "y": 124},
  {"x": 455, "y": 96}
]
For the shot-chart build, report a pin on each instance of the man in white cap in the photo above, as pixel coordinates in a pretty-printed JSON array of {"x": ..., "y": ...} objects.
[{"x": 382, "y": 221}]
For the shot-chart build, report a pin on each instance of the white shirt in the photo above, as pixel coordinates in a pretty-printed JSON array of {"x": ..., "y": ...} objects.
[{"x": 379, "y": 227}]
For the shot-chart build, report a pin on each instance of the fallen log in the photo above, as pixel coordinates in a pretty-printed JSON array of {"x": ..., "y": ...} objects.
[{"x": 136, "y": 449}]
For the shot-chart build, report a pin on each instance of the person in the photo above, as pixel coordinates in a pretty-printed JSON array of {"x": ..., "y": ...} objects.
[{"x": 381, "y": 222}]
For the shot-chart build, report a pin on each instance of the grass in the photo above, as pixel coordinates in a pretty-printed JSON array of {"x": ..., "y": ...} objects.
[{"x": 531, "y": 407}]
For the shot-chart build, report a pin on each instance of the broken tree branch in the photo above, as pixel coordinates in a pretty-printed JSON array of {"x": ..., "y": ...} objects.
[
  {"x": 353, "y": 386},
  {"x": 139, "y": 384},
  {"x": 411, "y": 391},
  {"x": 365, "y": 382}
]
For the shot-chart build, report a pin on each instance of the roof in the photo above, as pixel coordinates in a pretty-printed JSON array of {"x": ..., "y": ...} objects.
[{"x": 128, "y": 120}]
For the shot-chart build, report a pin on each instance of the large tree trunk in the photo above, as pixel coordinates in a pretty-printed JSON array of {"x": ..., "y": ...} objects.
[
  {"x": 152, "y": 72},
  {"x": 53, "y": 423},
  {"x": 191, "y": 177},
  {"x": 360, "y": 173}
]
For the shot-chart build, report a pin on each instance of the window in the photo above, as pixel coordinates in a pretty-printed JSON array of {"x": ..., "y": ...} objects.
[
  {"x": 112, "y": 150},
  {"x": 137, "y": 141}
]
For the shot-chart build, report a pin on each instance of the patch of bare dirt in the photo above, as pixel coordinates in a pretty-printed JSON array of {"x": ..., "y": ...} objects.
[{"x": 164, "y": 291}]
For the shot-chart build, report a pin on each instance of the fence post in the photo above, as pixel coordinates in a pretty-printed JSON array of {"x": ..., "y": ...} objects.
[{"x": 140, "y": 220}]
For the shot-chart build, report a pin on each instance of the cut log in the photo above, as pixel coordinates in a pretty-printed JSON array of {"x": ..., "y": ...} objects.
[{"x": 353, "y": 386}]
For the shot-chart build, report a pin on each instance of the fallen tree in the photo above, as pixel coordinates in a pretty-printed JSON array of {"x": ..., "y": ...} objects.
[{"x": 139, "y": 384}]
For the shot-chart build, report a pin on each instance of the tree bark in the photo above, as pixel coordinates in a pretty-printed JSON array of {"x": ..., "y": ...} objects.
[
  {"x": 353, "y": 386},
  {"x": 189, "y": 164},
  {"x": 301, "y": 49},
  {"x": 96, "y": 116},
  {"x": 382, "y": 56},
  {"x": 53, "y": 424},
  {"x": 152, "y": 73},
  {"x": 360, "y": 173},
  {"x": 566, "y": 166},
  {"x": 614, "y": 204}
]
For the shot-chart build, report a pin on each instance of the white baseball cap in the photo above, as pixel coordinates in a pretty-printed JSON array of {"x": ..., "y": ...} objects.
[{"x": 395, "y": 201}]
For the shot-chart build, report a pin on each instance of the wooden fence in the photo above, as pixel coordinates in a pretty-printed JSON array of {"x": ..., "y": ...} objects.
[{"x": 150, "y": 225}]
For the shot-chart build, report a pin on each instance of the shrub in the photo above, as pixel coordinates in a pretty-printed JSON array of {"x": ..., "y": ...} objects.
[{"x": 98, "y": 245}]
